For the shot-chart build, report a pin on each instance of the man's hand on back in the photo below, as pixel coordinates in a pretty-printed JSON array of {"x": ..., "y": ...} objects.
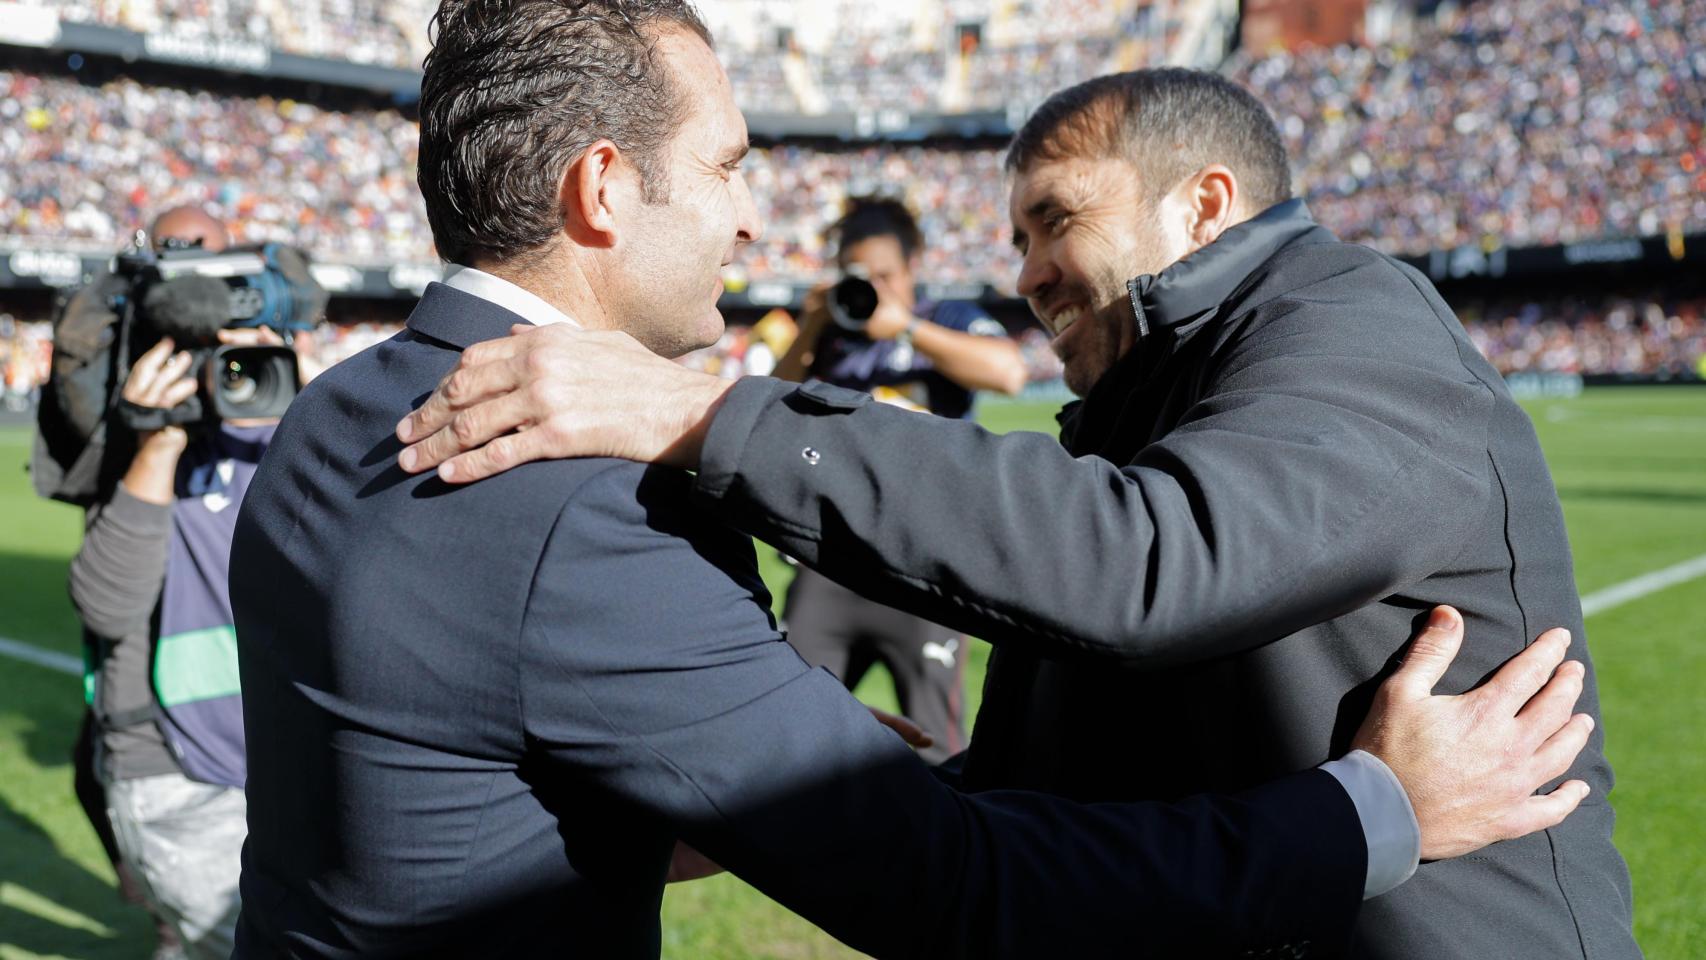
[
  {"x": 1471, "y": 764},
  {"x": 551, "y": 392}
]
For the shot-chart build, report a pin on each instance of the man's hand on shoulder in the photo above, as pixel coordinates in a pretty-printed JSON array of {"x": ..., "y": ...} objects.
[
  {"x": 551, "y": 392},
  {"x": 1471, "y": 764}
]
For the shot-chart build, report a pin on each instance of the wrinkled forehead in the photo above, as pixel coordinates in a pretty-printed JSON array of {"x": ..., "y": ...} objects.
[{"x": 1069, "y": 182}]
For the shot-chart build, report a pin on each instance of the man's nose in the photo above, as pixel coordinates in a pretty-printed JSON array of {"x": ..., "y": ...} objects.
[
  {"x": 749, "y": 226},
  {"x": 1036, "y": 274}
]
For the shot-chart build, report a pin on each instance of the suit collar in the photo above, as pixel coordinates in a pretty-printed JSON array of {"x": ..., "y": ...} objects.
[{"x": 460, "y": 319}]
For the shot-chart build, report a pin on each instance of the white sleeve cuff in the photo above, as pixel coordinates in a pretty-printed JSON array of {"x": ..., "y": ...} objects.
[{"x": 1388, "y": 821}]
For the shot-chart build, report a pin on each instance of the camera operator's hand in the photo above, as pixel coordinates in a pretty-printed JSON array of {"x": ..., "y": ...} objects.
[
  {"x": 890, "y": 319},
  {"x": 251, "y": 337},
  {"x": 160, "y": 379}
]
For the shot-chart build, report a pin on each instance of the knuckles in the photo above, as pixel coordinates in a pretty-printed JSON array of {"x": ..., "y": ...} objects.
[
  {"x": 454, "y": 388},
  {"x": 465, "y": 428}
]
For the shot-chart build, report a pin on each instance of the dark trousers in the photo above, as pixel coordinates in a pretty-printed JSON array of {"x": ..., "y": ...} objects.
[{"x": 836, "y": 628}]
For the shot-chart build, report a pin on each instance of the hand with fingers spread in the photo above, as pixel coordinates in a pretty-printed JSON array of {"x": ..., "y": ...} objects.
[
  {"x": 160, "y": 379},
  {"x": 1471, "y": 764},
  {"x": 557, "y": 391}
]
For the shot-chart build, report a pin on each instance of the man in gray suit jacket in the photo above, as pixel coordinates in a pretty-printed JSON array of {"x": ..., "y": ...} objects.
[{"x": 1287, "y": 450}]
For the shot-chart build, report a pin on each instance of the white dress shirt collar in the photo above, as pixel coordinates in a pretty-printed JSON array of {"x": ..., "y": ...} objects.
[{"x": 505, "y": 294}]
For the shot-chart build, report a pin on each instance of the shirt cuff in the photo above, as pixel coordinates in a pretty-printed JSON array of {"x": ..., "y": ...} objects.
[{"x": 1388, "y": 821}]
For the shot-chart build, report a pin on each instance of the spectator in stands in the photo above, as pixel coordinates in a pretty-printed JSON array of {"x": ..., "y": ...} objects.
[{"x": 927, "y": 356}]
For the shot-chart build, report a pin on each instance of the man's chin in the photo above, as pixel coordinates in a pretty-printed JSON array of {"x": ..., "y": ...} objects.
[
  {"x": 697, "y": 335},
  {"x": 1079, "y": 376}
]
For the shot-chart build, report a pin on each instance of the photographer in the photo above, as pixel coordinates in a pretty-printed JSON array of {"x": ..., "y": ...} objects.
[
  {"x": 927, "y": 356},
  {"x": 149, "y": 583}
]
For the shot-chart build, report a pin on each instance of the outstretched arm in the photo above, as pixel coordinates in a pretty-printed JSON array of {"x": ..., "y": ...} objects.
[{"x": 1310, "y": 482}]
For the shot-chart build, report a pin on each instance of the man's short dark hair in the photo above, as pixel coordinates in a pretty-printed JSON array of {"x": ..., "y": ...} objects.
[
  {"x": 873, "y": 216},
  {"x": 514, "y": 90},
  {"x": 1171, "y": 122}
]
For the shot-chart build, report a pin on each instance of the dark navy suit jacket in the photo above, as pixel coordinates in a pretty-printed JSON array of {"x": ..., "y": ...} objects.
[{"x": 478, "y": 718}]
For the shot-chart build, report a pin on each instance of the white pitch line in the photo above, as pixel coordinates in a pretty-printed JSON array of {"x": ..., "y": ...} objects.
[
  {"x": 1596, "y": 602},
  {"x": 1618, "y": 594},
  {"x": 29, "y": 653}
]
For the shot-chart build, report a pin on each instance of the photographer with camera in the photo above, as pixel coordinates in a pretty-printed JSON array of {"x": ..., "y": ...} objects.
[
  {"x": 198, "y": 407},
  {"x": 870, "y": 332}
]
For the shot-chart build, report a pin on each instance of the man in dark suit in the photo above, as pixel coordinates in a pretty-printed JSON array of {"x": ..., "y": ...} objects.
[
  {"x": 479, "y": 718},
  {"x": 1287, "y": 448}
]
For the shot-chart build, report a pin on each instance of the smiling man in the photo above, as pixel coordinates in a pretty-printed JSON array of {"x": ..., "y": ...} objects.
[{"x": 1287, "y": 448}]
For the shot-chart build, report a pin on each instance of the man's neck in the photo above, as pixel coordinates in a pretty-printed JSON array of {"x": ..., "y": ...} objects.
[{"x": 561, "y": 281}]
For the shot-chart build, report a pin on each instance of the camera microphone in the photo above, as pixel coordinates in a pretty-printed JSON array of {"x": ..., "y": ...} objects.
[{"x": 189, "y": 309}]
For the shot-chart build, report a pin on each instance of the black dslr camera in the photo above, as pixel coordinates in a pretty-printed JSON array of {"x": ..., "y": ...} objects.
[
  {"x": 853, "y": 300},
  {"x": 190, "y": 294}
]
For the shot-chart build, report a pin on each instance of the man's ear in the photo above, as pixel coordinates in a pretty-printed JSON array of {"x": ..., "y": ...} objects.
[
  {"x": 591, "y": 192},
  {"x": 1213, "y": 201}
]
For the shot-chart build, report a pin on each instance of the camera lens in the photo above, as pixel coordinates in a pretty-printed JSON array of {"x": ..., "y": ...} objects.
[
  {"x": 852, "y": 302},
  {"x": 239, "y": 385},
  {"x": 252, "y": 382}
]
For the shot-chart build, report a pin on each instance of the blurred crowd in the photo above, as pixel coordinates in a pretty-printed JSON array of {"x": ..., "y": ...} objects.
[
  {"x": 1506, "y": 122},
  {"x": 1639, "y": 336},
  {"x": 1514, "y": 123},
  {"x": 94, "y": 163},
  {"x": 874, "y": 63},
  {"x": 391, "y": 33},
  {"x": 26, "y": 347},
  {"x": 959, "y": 197}
]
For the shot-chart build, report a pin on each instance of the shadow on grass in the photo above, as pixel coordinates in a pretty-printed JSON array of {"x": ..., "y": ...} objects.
[
  {"x": 83, "y": 914},
  {"x": 55, "y": 902}
]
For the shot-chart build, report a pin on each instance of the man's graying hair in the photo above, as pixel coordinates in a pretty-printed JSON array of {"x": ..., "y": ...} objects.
[
  {"x": 514, "y": 90},
  {"x": 1170, "y": 122}
]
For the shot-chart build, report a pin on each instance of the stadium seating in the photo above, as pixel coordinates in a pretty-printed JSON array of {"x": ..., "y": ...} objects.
[{"x": 1560, "y": 122}]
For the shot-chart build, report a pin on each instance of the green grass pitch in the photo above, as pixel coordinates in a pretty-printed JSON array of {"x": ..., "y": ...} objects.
[{"x": 1630, "y": 465}]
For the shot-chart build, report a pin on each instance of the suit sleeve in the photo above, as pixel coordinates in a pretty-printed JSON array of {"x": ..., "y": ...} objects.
[
  {"x": 1337, "y": 452},
  {"x": 653, "y": 669}
]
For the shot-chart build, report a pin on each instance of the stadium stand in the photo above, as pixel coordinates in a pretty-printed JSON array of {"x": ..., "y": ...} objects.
[
  {"x": 1513, "y": 123},
  {"x": 386, "y": 32},
  {"x": 1560, "y": 123},
  {"x": 1496, "y": 125},
  {"x": 1646, "y": 336}
]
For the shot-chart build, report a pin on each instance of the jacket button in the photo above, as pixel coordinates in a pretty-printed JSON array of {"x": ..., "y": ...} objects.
[{"x": 811, "y": 456}]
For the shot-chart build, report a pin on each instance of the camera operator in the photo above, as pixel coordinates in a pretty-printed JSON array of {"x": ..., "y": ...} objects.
[
  {"x": 929, "y": 356},
  {"x": 149, "y": 583}
]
